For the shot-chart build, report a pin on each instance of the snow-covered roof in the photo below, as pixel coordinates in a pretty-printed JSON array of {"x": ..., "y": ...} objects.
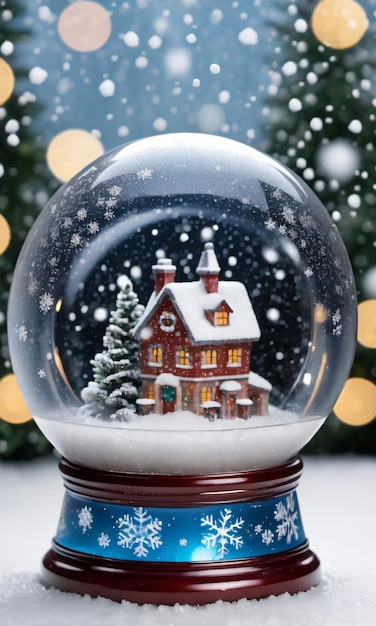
[
  {"x": 167, "y": 379},
  {"x": 257, "y": 381},
  {"x": 244, "y": 401},
  {"x": 191, "y": 300},
  {"x": 230, "y": 385},
  {"x": 210, "y": 404}
]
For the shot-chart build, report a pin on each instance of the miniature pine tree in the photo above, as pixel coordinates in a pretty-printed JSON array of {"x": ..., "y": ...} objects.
[{"x": 116, "y": 370}]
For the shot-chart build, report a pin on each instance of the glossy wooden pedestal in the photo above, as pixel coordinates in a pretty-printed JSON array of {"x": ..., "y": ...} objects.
[{"x": 291, "y": 571}]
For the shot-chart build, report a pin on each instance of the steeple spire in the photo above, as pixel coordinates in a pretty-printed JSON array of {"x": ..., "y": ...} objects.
[{"x": 208, "y": 268}]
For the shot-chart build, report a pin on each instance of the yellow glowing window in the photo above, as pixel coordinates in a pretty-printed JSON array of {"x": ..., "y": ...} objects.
[
  {"x": 206, "y": 394},
  {"x": 209, "y": 357},
  {"x": 183, "y": 357},
  {"x": 234, "y": 356},
  {"x": 156, "y": 354},
  {"x": 221, "y": 318},
  {"x": 150, "y": 392}
]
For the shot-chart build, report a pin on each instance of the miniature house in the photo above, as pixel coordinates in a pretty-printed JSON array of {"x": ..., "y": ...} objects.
[{"x": 195, "y": 345}]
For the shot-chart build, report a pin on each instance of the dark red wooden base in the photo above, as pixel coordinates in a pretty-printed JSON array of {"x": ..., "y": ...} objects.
[{"x": 185, "y": 583}]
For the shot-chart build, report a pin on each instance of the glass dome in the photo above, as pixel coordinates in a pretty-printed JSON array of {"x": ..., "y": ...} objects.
[{"x": 183, "y": 305}]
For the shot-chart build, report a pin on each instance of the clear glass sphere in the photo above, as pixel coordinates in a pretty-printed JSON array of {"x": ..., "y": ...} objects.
[{"x": 249, "y": 328}]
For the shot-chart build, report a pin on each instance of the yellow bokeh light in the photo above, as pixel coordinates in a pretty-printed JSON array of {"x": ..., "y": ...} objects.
[
  {"x": 367, "y": 323},
  {"x": 84, "y": 26},
  {"x": 13, "y": 407},
  {"x": 6, "y": 81},
  {"x": 70, "y": 151},
  {"x": 4, "y": 234},
  {"x": 339, "y": 24},
  {"x": 357, "y": 403}
]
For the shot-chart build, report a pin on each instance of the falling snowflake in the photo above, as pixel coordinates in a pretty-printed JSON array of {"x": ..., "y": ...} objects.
[
  {"x": 224, "y": 532},
  {"x": 103, "y": 540},
  {"x": 336, "y": 317},
  {"x": 76, "y": 240},
  {"x": 111, "y": 203},
  {"x": 81, "y": 214},
  {"x": 46, "y": 302},
  {"x": 41, "y": 373},
  {"x": 258, "y": 529},
  {"x": 108, "y": 214},
  {"x": 277, "y": 194},
  {"x": 144, "y": 174},
  {"x": 337, "y": 331},
  {"x": 21, "y": 332},
  {"x": 283, "y": 229},
  {"x": 183, "y": 542},
  {"x": 286, "y": 514},
  {"x": 115, "y": 190},
  {"x": 53, "y": 261},
  {"x": 270, "y": 224},
  {"x": 139, "y": 532},
  {"x": 267, "y": 537},
  {"x": 308, "y": 272},
  {"x": 288, "y": 214},
  {"x": 32, "y": 286},
  {"x": 67, "y": 222},
  {"x": 93, "y": 228},
  {"x": 85, "y": 518}
]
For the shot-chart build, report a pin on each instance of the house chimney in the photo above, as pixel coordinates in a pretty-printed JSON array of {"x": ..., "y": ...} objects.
[
  {"x": 208, "y": 268},
  {"x": 164, "y": 273}
]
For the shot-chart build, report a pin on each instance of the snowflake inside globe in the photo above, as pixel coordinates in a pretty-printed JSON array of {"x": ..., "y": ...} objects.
[{"x": 184, "y": 304}]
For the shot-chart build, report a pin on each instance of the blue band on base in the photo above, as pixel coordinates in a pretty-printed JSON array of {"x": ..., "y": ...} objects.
[{"x": 207, "y": 533}]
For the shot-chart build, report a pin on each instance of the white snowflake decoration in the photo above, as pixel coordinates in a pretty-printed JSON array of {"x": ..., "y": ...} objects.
[
  {"x": 140, "y": 532},
  {"x": 104, "y": 540},
  {"x": 85, "y": 518},
  {"x": 183, "y": 542},
  {"x": 267, "y": 537},
  {"x": 286, "y": 514},
  {"x": 224, "y": 532}
]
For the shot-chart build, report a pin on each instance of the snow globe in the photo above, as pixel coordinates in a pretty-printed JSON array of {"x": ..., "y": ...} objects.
[{"x": 181, "y": 321}]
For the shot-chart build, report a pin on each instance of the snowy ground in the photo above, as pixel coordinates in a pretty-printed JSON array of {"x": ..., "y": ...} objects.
[{"x": 338, "y": 504}]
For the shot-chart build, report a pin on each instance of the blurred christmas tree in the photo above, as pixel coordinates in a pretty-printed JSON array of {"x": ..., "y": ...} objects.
[
  {"x": 24, "y": 190},
  {"x": 322, "y": 125}
]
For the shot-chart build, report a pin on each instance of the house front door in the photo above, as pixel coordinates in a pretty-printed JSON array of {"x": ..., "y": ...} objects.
[{"x": 168, "y": 399}]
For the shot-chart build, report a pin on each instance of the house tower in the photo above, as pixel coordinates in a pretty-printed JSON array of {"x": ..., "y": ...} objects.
[{"x": 208, "y": 268}]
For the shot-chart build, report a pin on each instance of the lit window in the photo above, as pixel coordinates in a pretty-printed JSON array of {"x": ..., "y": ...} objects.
[
  {"x": 208, "y": 358},
  {"x": 150, "y": 392},
  {"x": 221, "y": 318},
  {"x": 156, "y": 355},
  {"x": 234, "y": 356},
  {"x": 206, "y": 394},
  {"x": 183, "y": 357}
]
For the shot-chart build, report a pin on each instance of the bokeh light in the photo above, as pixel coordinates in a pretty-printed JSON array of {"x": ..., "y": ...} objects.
[
  {"x": 367, "y": 323},
  {"x": 69, "y": 151},
  {"x": 4, "y": 234},
  {"x": 356, "y": 405},
  {"x": 6, "y": 81},
  {"x": 84, "y": 26},
  {"x": 339, "y": 24},
  {"x": 13, "y": 407}
]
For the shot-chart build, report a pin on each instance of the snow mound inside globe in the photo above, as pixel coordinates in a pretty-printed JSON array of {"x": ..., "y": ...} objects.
[{"x": 185, "y": 304}]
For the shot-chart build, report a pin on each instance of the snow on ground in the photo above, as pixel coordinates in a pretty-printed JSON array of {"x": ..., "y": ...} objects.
[{"x": 338, "y": 504}]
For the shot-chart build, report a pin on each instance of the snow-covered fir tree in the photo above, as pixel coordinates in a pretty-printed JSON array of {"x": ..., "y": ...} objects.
[{"x": 112, "y": 393}]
